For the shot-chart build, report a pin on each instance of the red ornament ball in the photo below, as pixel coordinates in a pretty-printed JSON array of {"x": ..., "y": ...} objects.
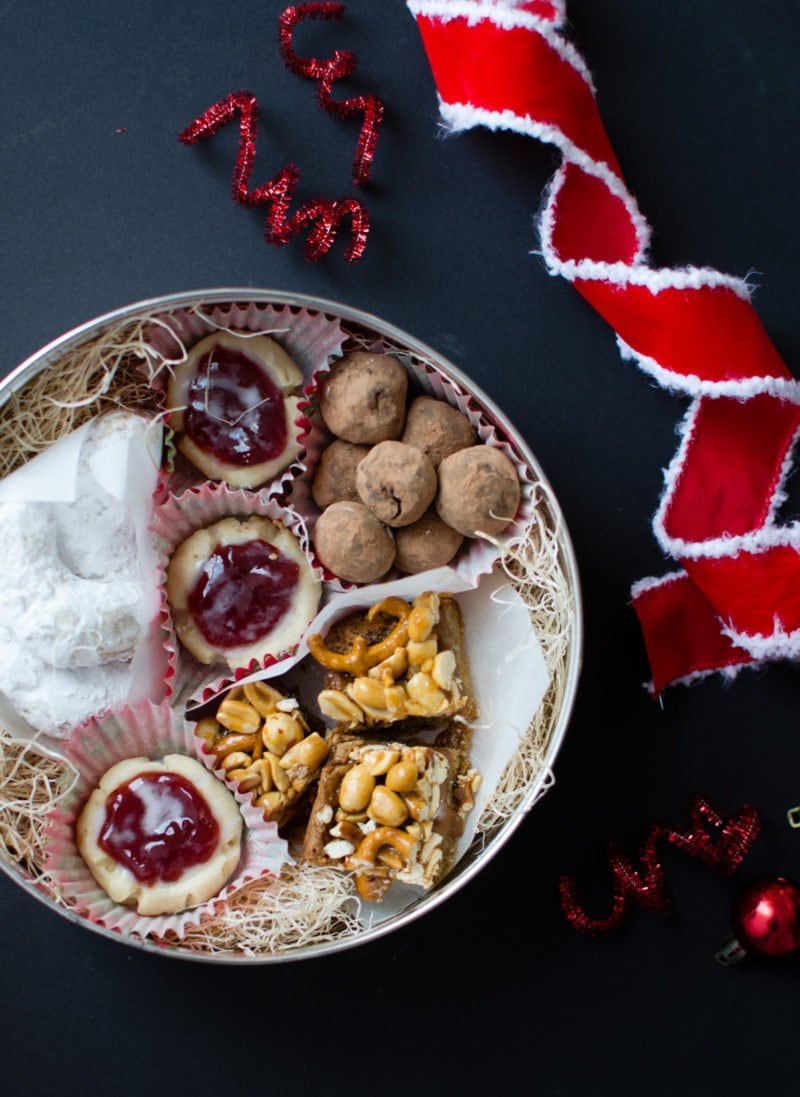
[{"x": 766, "y": 916}]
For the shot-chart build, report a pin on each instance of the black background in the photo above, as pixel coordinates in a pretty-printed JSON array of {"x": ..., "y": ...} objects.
[{"x": 101, "y": 207}]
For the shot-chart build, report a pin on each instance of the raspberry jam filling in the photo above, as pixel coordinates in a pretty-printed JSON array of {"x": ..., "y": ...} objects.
[
  {"x": 242, "y": 592},
  {"x": 158, "y": 826},
  {"x": 234, "y": 410}
]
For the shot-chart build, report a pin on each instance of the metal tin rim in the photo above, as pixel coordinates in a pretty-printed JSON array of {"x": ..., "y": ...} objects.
[{"x": 471, "y": 865}]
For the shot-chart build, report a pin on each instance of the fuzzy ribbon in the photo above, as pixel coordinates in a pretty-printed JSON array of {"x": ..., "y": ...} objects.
[{"x": 735, "y": 600}]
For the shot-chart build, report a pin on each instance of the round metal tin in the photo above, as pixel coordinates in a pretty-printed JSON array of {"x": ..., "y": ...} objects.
[{"x": 480, "y": 852}]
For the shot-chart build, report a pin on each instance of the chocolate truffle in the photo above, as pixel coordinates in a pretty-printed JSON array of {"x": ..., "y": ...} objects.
[
  {"x": 437, "y": 429},
  {"x": 363, "y": 398},
  {"x": 352, "y": 543},
  {"x": 478, "y": 491},
  {"x": 335, "y": 475},
  {"x": 428, "y": 543},
  {"x": 397, "y": 482}
]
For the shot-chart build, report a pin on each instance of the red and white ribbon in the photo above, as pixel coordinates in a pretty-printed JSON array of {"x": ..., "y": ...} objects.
[{"x": 736, "y": 598}]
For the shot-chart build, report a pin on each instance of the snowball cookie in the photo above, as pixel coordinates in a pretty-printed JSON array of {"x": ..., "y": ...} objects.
[
  {"x": 160, "y": 836},
  {"x": 478, "y": 491},
  {"x": 363, "y": 398},
  {"x": 335, "y": 475},
  {"x": 352, "y": 543},
  {"x": 437, "y": 429},
  {"x": 232, "y": 405},
  {"x": 428, "y": 543},
  {"x": 396, "y": 482}
]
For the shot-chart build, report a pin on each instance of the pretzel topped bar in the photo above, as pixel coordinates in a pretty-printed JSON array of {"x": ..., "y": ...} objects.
[
  {"x": 397, "y": 661},
  {"x": 389, "y": 811}
]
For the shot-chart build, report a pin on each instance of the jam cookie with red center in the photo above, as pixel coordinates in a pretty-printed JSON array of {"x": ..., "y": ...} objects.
[
  {"x": 232, "y": 406},
  {"x": 240, "y": 590},
  {"x": 160, "y": 836}
]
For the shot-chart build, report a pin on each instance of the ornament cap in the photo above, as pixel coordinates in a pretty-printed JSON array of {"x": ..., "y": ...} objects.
[{"x": 733, "y": 952}]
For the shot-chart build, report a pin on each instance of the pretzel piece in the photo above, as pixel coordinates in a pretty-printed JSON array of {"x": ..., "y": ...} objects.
[
  {"x": 361, "y": 656},
  {"x": 372, "y": 881}
]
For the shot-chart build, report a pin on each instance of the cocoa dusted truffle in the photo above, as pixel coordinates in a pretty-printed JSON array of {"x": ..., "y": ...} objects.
[
  {"x": 397, "y": 482},
  {"x": 428, "y": 543},
  {"x": 479, "y": 491},
  {"x": 437, "y": 429},
  {"x": 363, "y": 398},
  {"x": 335, "y": 476},
  {"x": 352, "y": 543}
]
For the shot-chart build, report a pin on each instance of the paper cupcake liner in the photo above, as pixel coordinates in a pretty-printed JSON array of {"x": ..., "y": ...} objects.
[
  {"x": 153, "y": 732},
  {"x": 477, "y": 556},
  {"x": 173, "y": 521},
  {"x": 312, "y": 340}
]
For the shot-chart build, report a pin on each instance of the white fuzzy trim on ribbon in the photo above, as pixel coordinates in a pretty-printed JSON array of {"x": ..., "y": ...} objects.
[
  {"x": 644, "y": 586},
  {"x": 462, "y": 116},
  {"x": 778, "y": 645},
  {"x": 692, "y": 385},
  {"x": 697, "y": 676},
  {"x": 458, "y": 117},
  {"x": 506, "y": 19},
  {"x": 756, "y": 541}
]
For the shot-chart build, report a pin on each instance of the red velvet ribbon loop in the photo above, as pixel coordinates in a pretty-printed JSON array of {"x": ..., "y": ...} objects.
[{"x": 734, "y": 603}]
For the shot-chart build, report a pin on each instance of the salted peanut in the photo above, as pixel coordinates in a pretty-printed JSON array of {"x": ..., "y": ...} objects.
[
  {"x": 420, "y": 652},
  {"x": 305, "y": 757},
  {"x": 348, "y": 830},
  {"x": 356, "y": 789},
  {"x": 263, "y": 770},
  {"x": 396, "y": 699},
  {"x": 432, "y": 866},
  {"x": 424, "y": 616},
  {"x": 236, "y": 742},
  {"x": 418, "y": 807},
  {"x": 236, "y": 760},
  {"x": 238, "y": 716},
  {"x": 280, "y": 732},
  {"x": 208, "y": 730},
  {"x": 392, "y": 668},
  {"x": 354, "y": 818},
  {"x": 272, "y": 803},
  {"x": 386, "y": 807},
  {"x": 422, "y": 688},
  {"x": 338, "y": 706},
  {"x": 368, "y": 692},
  {"x": 379, "y": 762},
  {"x": 247, "y": 779},
  {"x": 402, "y": 777},
  {"x": 278, "y": 774},
  {"x": 444, "y": 667},
  {"x": 338, "y": 848},
  {"x": 263, "y": 697}
]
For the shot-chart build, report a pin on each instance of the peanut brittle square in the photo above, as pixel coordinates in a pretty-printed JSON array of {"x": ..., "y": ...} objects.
[
  {"x": 397, "y": 661},
  {"x": 389, "y": 811}
]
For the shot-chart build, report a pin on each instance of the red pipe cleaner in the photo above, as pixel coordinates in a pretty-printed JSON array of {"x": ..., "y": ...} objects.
[
  {"x": 323, "y": 214},
  {"x": 722, "y": 849},
  {"x": 342, "y": 63}
]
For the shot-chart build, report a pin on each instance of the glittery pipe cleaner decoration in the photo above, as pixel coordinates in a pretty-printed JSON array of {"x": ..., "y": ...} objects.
[
  {"x": 341, "y": 64},
  {"x": 722, "y": 847},
  {"x": 323, "y": 215}
]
